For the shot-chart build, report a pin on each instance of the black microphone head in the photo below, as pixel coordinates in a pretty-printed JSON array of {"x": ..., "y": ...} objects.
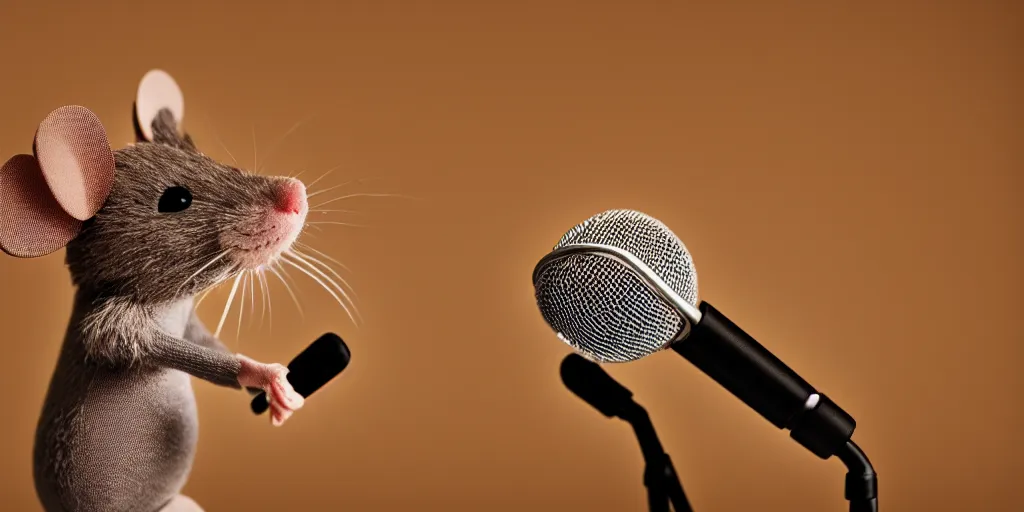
[
  {"x": 587, "y": 380},
  {"x": 320, "y": 362},
  {"x": 599, "y": 305},
  {"x": 314, "y": 367}
]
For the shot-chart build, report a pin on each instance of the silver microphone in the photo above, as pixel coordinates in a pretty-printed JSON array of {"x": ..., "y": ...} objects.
[{"x": 621, "y": 286}]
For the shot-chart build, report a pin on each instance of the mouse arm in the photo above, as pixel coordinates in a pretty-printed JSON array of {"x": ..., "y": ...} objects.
[
  {"x": 119, "y": 331},
  {"x": 210, "y": 364},
  {"x": 197, "y": 333},
  {"x": 226, "y": 369}
]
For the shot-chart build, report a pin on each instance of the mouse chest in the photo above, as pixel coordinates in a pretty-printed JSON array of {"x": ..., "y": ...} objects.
[{"x": 174, "y": 318}]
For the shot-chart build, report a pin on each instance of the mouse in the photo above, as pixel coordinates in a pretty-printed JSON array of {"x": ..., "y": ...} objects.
[{"x": 145, "y": 228}]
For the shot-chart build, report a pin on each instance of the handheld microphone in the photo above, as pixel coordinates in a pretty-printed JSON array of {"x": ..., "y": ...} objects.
[
  {"x": 314, "y": 367},
  {"x": 621, "y": 286}
]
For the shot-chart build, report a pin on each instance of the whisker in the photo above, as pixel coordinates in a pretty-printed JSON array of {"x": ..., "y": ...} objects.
[
  {"x": 318, "y": 192},
  {"x": 310, "y": 266},
  {"x": 337, "y": 223},
  {"x": 227, "y": 307},
  {"x": 216, "y": 135},
  {"x": 353, "y": 212},
  {"x": 328, "y": 189},
  {"x": 252, "y": 296},
  {"x": 329, "y": 269},
  {"x": 322, "y": 176},
  {"x": 257, "y": 274},
  {"x": 254, "y": 166},
  {"x": 285, "y": 136},
  {"x": 289, "y": 288},
  {"x": 203, "y": 296},
  {"x": 212, "y": 287},
  {"x": 322, "y": 254},
  {"x": 226, "y": 150},
  {"x": 325, "y": 287},
  {"x": 359, "y": 181},
  {"x": 287, "y": 274},
  {"x": 241, "y": 307},
  {"x": 265, "y": 296},
  {"x": 349, "y": 196},
  {"x": 180, "y": 264},
  {"x": 204, "y": 267}
]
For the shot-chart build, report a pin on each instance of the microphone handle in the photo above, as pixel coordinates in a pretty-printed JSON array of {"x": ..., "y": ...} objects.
[{"x": 735, "y": 360}]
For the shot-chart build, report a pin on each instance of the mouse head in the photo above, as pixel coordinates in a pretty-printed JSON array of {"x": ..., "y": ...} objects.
[{"x": 155, "y": 221}]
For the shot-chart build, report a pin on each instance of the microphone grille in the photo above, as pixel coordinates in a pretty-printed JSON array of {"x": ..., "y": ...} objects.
[{"x": 599, "y": 306}]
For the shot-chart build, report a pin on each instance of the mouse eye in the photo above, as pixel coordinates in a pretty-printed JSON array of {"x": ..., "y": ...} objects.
[{"x": 175, "y": 199}]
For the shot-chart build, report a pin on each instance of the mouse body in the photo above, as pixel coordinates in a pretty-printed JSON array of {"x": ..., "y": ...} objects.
[
  {"x": 146, "y": 228},
  {"x": 115, "y": 438}
]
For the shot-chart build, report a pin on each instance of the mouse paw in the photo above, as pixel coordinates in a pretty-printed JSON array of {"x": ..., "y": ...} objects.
[{"x": 272, "y": 379}]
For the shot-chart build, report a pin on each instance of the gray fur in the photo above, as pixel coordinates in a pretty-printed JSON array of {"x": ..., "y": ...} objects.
[{"x": 119, "y": 427}]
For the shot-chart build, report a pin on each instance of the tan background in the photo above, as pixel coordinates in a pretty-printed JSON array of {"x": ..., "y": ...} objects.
[{"x": 848, "y": 180}]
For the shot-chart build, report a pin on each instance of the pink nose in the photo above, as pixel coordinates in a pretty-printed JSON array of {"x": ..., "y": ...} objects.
[{"x": 291, "y": 197}]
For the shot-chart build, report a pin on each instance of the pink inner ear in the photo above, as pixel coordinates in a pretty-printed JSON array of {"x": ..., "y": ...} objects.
[
  {"x": 76, "y": 160},
  {"x": 32, "y": 223},
  {"x": 157, "y": 91}
]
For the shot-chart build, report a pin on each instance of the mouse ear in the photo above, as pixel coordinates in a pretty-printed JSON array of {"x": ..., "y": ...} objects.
[
  {"x": 77, "y": 163},
  {"x": 32, "y": 222},
  {"x": 159, "y": 108}
]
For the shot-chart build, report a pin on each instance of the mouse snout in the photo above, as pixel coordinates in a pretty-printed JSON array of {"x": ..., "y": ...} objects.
[
  {"x": 291, "y": 197},
  {"x": 271, "y": 226}
]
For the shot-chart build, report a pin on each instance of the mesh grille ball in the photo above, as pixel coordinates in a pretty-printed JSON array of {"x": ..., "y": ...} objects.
[{"x": 599, "y": 306}]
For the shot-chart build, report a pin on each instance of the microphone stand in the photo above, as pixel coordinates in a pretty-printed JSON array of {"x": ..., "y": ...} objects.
[
  {"x": 594, "y": 386},
  {"x": 663, "y": 486},
  {"x": 660, "y": 478},
  {"x": 861, "y": 479}
]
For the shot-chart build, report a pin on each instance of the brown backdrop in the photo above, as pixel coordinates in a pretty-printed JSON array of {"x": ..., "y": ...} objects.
[{"x": 848, "y": 180}]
